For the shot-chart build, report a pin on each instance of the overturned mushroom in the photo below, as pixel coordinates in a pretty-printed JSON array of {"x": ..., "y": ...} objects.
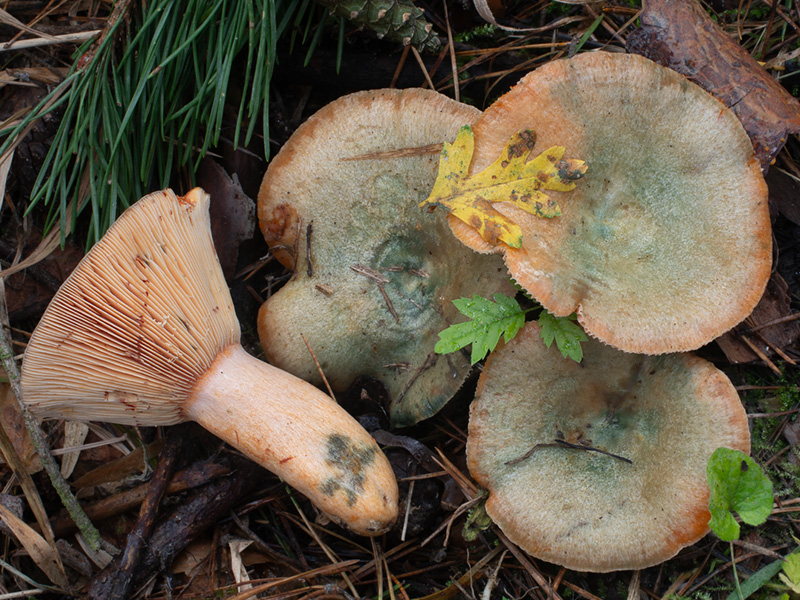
[
  {"x": 144, "y": 332},
  {"x": 599, "y": 465},
  {"x": 374, "y": 275},
  {"x": 666, "y": 242}
]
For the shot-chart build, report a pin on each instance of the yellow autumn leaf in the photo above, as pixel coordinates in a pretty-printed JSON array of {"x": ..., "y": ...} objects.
[{"x": 511, "y": 178}]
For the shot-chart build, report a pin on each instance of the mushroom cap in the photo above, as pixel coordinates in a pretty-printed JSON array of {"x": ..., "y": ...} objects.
[
  {"x": 375, "y": 275},
  {"x": 144, "y": 315},
  {"x": 665, "y": 243},
  {"x": 586, "y": 510}
]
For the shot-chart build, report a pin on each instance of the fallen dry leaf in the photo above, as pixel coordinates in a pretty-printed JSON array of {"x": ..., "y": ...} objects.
[
  {"x": 681, "y": 36},
  {"x": 510, "y": 178},
  {"x": 233, "y": 214},
  {"x": 42, "y": 553},
  {"x": 14, "y": 427},
  {"x": 75, "y": 433}
]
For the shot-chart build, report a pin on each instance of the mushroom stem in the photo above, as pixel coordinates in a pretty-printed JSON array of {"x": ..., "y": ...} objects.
[{"x": 299, "y": 433}]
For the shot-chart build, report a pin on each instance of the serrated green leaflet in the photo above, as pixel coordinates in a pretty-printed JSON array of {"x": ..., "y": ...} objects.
[
  {"x": 567, "y": 334},
  {"x": 503, "y": 318},
  {"x": 489, "y": 321},
  {"x": 737, "y": 484}
]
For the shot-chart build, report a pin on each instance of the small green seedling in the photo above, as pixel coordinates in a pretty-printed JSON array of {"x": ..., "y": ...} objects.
[
  {"x": 791, "y": 570},
  {"x": 489, "y": 321},
  {"x": 737, "y": 484},
  {"x": 478, "y": 520}
]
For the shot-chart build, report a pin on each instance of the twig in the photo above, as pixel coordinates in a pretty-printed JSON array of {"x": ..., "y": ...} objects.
[
  {"x": 760, "y": 354},
  {"x": 65, "y": 38},
  {"x": 408, "y": 505},
  {"x": 369, "y": 273},
  {"x": 430, "y": 360},
  {"x": 399, "y": 153},
  {"x": 380, "y": 280},
  {"x": 324, "y": 547},
  {"x": 198, "y": 474},
  {"x": 528, "y": 565},
  {"x": 564, "y": 444},
  {"x": 319, "y": 367},
  {"x": 786, "y": 319},
  {"x": 451, "y": 51},
  {"x": 115, "y": 580},
  {"x": 416, "y": 54},
  {"x": 334, "y": 569},
  {"x": 68, "y": 499},
  {"x": 309, "y": 230},
  {"x": 777, "y": 349},
  {"x": 201, "y": 510}
]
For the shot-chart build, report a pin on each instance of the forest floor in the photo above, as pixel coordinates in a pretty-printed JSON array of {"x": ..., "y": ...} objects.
[{"x": 229, "y": 529}]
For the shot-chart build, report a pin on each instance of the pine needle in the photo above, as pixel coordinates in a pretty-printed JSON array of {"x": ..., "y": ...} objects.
[{"x": 132, "y": 115}]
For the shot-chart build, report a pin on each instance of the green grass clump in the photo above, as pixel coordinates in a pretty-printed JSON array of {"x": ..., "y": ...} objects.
[{"x": 131, "y": 115}]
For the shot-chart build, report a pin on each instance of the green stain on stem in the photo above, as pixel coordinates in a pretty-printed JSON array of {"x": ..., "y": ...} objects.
[{"x": 350, "y": 460}]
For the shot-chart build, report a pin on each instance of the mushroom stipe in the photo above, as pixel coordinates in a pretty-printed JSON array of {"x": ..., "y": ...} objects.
[{"x": 144, "y": 332}]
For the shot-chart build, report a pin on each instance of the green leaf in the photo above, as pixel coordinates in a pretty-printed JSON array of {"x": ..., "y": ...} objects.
[
  {"x": 791, "y": 571},
  {"x": 756, "y": 581},
  {"x": 567, "y": 334},
  {"x": 489, "y": 321},
  {"x": 737, "y": 484}
]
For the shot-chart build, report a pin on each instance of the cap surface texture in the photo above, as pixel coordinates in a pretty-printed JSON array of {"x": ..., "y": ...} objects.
[
  {"x": 374, "y": 274},
  {"x": 661, "y": 417},
  {"x": 665, "y": 243}
]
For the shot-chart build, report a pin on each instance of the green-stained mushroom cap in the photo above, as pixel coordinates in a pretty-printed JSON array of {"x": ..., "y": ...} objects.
[
  {"x": 374, "y": 274},
  {"x": 600, "y": 465},
  {"x": 665, "y": 243}
]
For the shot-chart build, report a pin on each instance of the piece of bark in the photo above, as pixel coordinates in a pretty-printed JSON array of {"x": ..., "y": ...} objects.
[
  {"x": 233, "y": 213},
  {"x": 122, "y": 470},
  {"x": 783, "y": 194},
  {"x": 773, "y": 306},
  {"x": 680, "y": 35}
]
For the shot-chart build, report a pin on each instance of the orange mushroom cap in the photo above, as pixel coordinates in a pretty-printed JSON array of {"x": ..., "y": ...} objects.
[
  {"x": 374, "y": 274},
  {"x": 599, "y": 465},
  {"x": 665, "y": 243}
]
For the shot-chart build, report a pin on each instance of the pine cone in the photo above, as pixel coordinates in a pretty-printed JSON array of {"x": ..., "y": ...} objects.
[{"x": 398, "y": 20}]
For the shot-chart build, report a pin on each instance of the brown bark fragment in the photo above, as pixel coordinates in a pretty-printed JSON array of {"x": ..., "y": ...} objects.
[
  {"x": 176, "y": 530},
  {"x": 680, "y": 35}
]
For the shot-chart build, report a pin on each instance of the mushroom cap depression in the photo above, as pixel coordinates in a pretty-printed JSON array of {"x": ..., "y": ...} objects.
[
  {"x": 665, "y": 243},
  {"x": 585, "y": 509},
  {"x": 374, "y": 274}
]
